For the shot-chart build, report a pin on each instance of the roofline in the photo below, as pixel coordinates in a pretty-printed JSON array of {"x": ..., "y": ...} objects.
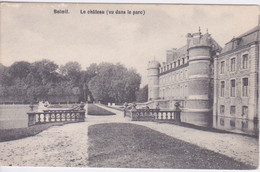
[{"x": 242, "y": 35}]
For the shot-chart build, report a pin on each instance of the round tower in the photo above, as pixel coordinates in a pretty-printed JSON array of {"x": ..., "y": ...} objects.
[
  {"x": 198, "y": 105},
  {"x": 153, "y": 80}
]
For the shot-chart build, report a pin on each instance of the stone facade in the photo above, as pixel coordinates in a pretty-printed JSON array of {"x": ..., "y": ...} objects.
[
  {"x": 237, "y": 84},
  {"x": 214, "y": 86}
]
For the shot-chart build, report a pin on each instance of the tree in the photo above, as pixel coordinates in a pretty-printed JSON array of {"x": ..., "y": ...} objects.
[
  {"x": 19, "y": 69},
  {"x": 142, "y": 94},
  {"x": 71, "y": 71},
  {"x": 114, "y": 83},
  {"x": 43, "y": 72}
]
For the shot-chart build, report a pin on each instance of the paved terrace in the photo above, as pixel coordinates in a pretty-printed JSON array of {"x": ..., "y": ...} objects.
[{"x": 67, "y": 145}]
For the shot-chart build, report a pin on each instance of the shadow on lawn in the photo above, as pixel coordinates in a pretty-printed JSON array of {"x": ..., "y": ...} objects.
[{"x": 133, "y": 146}]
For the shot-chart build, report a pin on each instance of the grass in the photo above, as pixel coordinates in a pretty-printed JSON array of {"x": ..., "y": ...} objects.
[
  {"x": 133, "y": 146},
  {"x": 18, "y": 133},
  {"x": 95, "y": 110}
]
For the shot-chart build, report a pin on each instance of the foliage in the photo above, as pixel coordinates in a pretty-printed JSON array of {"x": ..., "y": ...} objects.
[
  {"x": 142, "y": 94},
  {"x": 114, "y": 83},
  {"x": 45, "y": 80}
]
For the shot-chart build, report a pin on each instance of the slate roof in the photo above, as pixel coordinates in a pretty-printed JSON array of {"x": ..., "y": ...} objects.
[{"x": 242, "y": 40}]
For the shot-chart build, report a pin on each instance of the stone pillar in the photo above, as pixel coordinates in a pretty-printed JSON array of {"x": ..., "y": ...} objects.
[
  {"x": 253, "y": 86},
  {"x": 216, "y": 91},
  {"x": 253, "y": 82}
]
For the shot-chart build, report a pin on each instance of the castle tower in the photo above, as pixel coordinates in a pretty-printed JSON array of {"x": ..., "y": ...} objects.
[
  {"x": 153, "y": 80},
  {"x": 198, "y": 107}
]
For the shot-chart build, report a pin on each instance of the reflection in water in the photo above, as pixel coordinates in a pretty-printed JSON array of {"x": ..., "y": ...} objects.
[
  {"x": 238, "y": 125},
  {"x": 14, "y": 116}
]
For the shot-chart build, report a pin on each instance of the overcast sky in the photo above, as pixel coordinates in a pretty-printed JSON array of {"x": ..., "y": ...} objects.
[{"x": 32, "y": 32}]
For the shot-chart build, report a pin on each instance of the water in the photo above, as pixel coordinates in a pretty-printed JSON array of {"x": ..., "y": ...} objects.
[{"x": 14, "y": 116}]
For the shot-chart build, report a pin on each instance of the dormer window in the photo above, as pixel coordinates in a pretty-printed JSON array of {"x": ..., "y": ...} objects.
[{"x": 235, "y": 42}]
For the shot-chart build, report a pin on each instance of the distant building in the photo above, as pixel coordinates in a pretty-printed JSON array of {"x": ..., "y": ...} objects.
[{"x": 215, "y": 87}]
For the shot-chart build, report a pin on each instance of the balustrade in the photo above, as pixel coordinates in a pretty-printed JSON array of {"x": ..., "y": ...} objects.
[
  {"x": 50, "y": 116},
  {"x": 152, "y": 114}
]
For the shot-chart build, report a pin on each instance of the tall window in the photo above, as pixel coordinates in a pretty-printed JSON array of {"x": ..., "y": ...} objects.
[
  {"x": 222, "y": 109},
  {"x": 232, "y": 110},
  {"x": 222, "y": 89},
  {"x": 183, "y": 60},
  {"x": 179, "y": 62},
  {"x": 174, "y": 64},
  {"x": 222, "y": 67},
  {"x": 233, "y": 64},
  {"x": 245, "y": 61},
  {"x": 232, "y": 88},
  {"x": 245, "y": 87},
  {"x": 245, "y": 111}
]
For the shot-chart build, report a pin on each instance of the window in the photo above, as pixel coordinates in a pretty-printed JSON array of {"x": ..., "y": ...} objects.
[
  {"x": 233, "y": 64},
  {"x": 233, "y": 88},
  {"x": 174, "y": 64},
  {"x": 222, "y": 67},
  {"x": 244, "y": 111},
  {"x": 183, "y": 61},
  {"x": 179, "y": 62},
  {"x": 222, "y": 89},
  {"x": 232, "y": 110},
  {"x": 222, "y": 109},
  {"x": 171, "y": 65},
  {"x": 245, "y": 87},
  {"x": 222, "y": 121},
  {"x": 232, "y": 123},
  {"x": 245, "y": 61}
]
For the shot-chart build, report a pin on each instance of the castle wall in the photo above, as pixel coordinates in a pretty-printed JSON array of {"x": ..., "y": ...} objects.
[{"x": 210, "y": 91}]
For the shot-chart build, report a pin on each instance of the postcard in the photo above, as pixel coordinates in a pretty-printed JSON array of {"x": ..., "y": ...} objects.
[{"x": 132, "y": 86}]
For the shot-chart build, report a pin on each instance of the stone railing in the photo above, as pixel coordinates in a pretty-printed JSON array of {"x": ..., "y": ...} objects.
[
  {"x": 51, "y": 116},
  {"x": 153, "y": 114}
]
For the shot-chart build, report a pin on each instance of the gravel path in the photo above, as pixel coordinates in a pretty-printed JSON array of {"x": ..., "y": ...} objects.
[
  {"x": 67, "y": 145},
  {"x": 57, "y": 146}
]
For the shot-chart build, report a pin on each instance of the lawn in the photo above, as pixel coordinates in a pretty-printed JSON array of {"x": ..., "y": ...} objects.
[
  {"x": 133, "y": 146},
  {"x": 18, "y": 133},
  {"x": 95, "y": 110}
]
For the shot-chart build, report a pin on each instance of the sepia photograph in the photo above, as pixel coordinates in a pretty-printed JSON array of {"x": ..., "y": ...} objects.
[{"x": 132, "y": 86}]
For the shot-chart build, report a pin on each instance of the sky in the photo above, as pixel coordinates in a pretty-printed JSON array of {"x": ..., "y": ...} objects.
[{"x": 32, "y": 32}]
